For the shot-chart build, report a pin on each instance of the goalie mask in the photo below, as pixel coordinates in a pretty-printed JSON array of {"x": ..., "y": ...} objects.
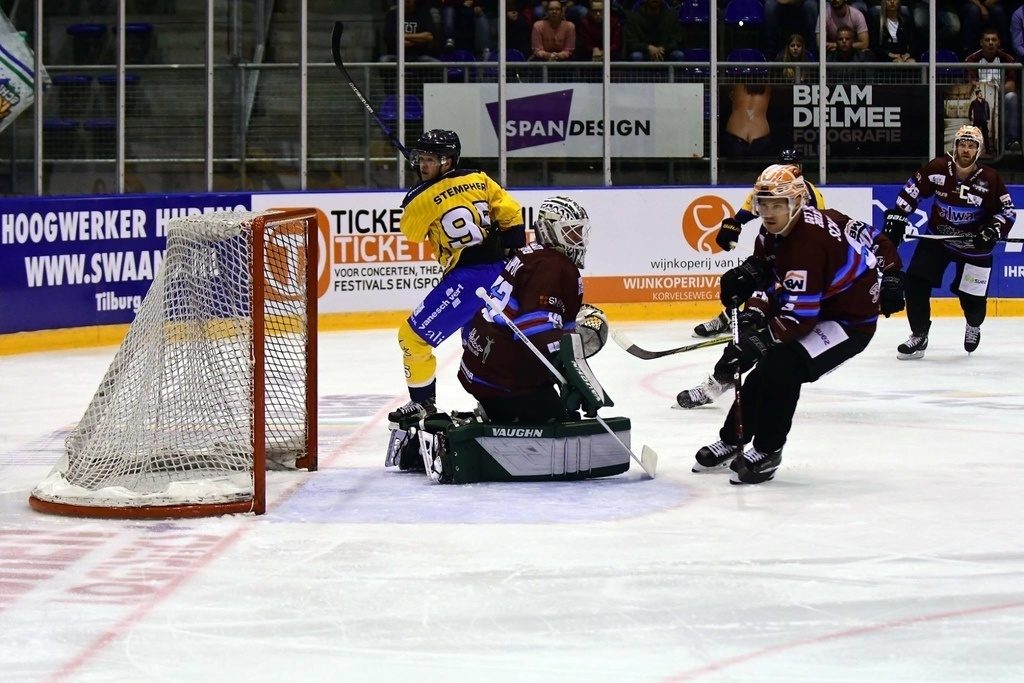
[
  {"x": 967, "y": 158},
  {"x": 563, "y": 224},
  {"x": 779, "y": 182},
  {"x": 444, "y": 143}
]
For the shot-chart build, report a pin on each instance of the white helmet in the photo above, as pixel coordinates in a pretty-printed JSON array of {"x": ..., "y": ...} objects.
[
  {"x": 970, "y": 134},
  {"x": 782, "y": 181},
  {"x": 563, "y": 224}
]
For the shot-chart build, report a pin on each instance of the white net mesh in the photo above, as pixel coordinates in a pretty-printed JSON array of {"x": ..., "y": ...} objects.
[{"x": 172, "y": 421}]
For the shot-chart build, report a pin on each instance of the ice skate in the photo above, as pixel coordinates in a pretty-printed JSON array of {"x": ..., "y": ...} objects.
[
  {"x": 972, "y": 337},
  {"x": 914, "y": 347},
  {"x": 411, "y": 413},
  {"x": 714, "y": 327},
  {"x": 755, "y": 466},
  {"x": 715, "y": 456},
  {"x": 701, "y": 395}
]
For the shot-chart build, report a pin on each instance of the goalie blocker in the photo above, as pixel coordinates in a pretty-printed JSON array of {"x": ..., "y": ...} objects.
[{"x": 464, "y": 448}]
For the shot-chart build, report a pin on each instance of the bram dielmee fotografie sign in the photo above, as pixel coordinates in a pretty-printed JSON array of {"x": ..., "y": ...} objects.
[{"x": 566, "y": 119}]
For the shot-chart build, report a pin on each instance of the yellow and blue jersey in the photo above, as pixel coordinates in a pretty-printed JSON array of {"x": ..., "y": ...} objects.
[{"x": 462, "y": 214}]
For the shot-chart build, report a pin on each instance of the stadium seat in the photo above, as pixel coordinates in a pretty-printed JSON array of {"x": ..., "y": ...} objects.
[
  {"x": 743, "y": 20},
  {"x": 457, "y": 73},
  {"x": 413, "y": 108},
  {"x": 490, "y": 74},
  {"x": 86, "y": 42},
  {"x": 72, "y": 93},
  {"x": 746, "y": 54},
  {"x": 694, "y": 12},
  {"x": 943, "y": 56},
  {"x": 697, "y": 54},
  {"x": 139, "y": 41},
  {"x": 744, "y": 13}
]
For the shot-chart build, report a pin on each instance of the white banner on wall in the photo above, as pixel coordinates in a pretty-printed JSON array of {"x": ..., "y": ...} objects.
[
  {"x": 646, "y": 244},
  {"x": 566, "y": 119}
]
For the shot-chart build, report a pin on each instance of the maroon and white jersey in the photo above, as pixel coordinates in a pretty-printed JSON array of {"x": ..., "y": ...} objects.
[
  {"x": 825, "y": 269},
  {"x": 541, "y": 291},
  {"x": 960, "y": 207}
]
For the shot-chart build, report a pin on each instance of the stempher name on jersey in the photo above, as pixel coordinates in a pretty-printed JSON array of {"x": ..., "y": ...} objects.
[{"x": 458, "y": 189}]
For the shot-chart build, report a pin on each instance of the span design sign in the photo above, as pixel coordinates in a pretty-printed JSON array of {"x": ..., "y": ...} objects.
[{"x": 564, "y": 120}]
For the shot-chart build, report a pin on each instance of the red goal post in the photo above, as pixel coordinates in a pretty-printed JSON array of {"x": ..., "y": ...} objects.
[{"x": 215, "y": 379}]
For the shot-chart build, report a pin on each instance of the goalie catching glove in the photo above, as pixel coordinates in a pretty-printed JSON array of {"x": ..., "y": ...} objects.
[{"x": 592, "y": 326}]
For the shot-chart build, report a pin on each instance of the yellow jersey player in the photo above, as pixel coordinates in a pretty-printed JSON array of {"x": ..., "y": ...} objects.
[
  {"x": 472, "y": 223},
  {"x": 729, "y": 234}
]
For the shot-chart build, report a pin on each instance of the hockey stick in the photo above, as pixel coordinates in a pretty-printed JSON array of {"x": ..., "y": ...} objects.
[
  {"x": 339, "y": 27},
  {"x": 648, "y": 459},
  {"x": 737, "y": 376},
  {"x": 1009, "y": 240},
  {"x": 627, "y": 345}
]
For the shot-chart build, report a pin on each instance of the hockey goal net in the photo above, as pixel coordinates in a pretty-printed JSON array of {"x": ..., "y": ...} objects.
[{"x": 215, "y": 379}]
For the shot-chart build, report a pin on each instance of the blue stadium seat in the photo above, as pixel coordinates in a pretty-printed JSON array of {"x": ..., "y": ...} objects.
[
  {"x": 693, "y": 12},
  {"x": 744, "y": 13},
  {"x": 746, "y": 54},
  {"x": 413, "y": 108},
  {"x": 457, "y": 73}
]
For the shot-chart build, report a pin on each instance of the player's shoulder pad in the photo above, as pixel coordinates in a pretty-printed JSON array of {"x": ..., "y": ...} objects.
[{"x": 417, "y": 190}]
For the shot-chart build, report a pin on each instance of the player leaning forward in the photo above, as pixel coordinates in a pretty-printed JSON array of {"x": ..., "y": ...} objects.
[
  {"x": 969, "y": 200},
  {"x": 820, "y": 276},
  {"x": 472, "y": 224}
]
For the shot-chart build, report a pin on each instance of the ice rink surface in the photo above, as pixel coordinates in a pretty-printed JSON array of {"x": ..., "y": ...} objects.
[{"x": 890, "y": 546}]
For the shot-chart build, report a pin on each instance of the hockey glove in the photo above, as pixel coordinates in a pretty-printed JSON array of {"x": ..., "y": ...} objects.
[
  {"x": 752, "y": 348},
  {"x": 892, "y": 299},
  {"x": 987, "y": 237},
  {"x": 740, "y": 282},
  {"x": 728, "y": 233},
  {"x": 592, "y": 326},
  {"x": 751, "y": 320},
  {"x": 895, "y": 226}
]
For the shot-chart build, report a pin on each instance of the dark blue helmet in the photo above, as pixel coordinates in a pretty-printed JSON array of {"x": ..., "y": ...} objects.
[
  {"x": 443, "y": 143},
  {"x": 791, "y": 156}
]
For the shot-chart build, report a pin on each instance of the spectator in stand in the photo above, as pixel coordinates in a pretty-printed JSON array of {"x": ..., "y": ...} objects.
[
  {"x": 466, "y": 26},
  {"x": 573, "y": 10},
  {"x": 590, "y": 35},
  {"x": 783, "y": 17},
  {"x": 653, "y": 34},
  {"x": 980, "y": 114},
  {"x": 976, "y": 15},
  {"x": 421, "y": 33},
  {"x": 553, "y": 38},
  {"x": 1017, "y": 33},
  {"x": 518, "y": 28},
  {"x": 893, "y": 33},
  {"x": 947, "y": 21},
  {"x": 795, "y": 51},
  {"x": 990, "y": 53},
  {"x": 839, "y": 14},
  {"x": 846, "y": 51}
]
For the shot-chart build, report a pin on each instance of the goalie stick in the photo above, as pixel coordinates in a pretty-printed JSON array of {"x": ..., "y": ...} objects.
[
  {"x": 929, "y": 236},
  {"x": 648, "y": 459},
  {"x": 627, "y": 345},
  {"x": 339, "y": 27}
]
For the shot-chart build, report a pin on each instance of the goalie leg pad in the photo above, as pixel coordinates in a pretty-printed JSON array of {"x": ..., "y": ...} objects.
[
  {"x": 584, "y": 390},
  {"x": 557, "y": 451},
  {"x": 404, "y": 450}
]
